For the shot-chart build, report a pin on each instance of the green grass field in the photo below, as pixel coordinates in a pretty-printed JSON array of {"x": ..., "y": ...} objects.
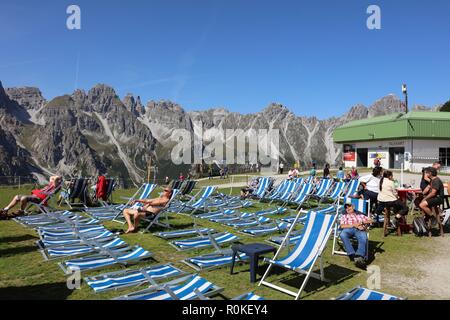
[{"x": 25, "y": 275}]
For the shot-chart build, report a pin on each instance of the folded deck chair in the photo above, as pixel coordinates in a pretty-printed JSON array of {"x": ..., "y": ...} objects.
[
  {"x": 248, "y": 296},
  {"x": 307, "y": 251},
  {"x": 249, "y": 222},
  {"x": 360, "y": 205},
  {"x": 150, "y": 276},
  {"x": 184, "y": 233},
  {"x": 88, "y": 247},
  {"x": 122, "y": 256},
  {"x": 360, "y": 293},
  {"x": 218, "y": 259},
  {"x": 216, "y": 214},
  {"x": 187, "y": 288},
  {"x": 34, "y": 221},
  {"x": 267, "y": 229},
  {"x": 49, "y": 241},
  {"x": 69, "y": 231},
  {"x": 216, "y": 239}
]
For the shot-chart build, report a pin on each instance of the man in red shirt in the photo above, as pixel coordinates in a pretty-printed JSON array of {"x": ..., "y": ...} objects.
[{"x": 354, "y": 225}]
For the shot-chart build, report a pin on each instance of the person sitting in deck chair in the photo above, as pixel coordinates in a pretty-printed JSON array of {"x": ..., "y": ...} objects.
[
  {"x": 37, "y": 196},
  {"x": 150, "y": 207},
  {"x": 354, "y": 225}
]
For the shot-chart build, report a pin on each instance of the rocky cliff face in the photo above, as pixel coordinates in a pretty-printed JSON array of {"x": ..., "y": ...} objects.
[{"x": 94, "y": 132}]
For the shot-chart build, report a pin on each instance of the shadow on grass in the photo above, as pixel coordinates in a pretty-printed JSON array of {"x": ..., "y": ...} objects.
[
  {"x": 47, "y": 291},
  {"x": 24, "y": 237},
  {"x": 17, "y": 250},
  {"x": 334, "y": 275}
]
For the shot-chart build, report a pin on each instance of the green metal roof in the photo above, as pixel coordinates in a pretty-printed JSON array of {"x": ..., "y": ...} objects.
[{"x": 415, "y": 124}]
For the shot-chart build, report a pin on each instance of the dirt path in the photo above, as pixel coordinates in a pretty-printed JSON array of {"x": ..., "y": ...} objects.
[{"x": 425, "y": 275}]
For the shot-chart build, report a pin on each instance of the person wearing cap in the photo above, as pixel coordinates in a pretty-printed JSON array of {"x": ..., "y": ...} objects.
[
  {"x": 354, "y": 225},
  {"x": 435, "y": 196},
  {"x": 149, "y": 207}
]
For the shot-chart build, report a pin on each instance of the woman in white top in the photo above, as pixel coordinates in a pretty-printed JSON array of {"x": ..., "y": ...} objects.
[
  {"x": 388, "y": 198},
  {"x": 371, "y": 186}
]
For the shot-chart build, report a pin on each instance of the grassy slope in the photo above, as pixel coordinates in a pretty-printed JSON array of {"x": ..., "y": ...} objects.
[{"x": 24, "y": 273}]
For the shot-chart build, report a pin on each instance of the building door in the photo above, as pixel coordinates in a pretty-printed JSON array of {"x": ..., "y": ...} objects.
[
  {"x": 361, "y": 158},
  {"x": 396, "y": 157}
]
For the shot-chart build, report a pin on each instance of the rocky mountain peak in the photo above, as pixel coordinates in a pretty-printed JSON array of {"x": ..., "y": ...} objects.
[
  {"x": 28, "y": 97},
  {"x": 388, "y": 104}
]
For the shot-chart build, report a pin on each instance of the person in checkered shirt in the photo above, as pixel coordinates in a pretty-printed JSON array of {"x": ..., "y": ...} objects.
[{"x": 354, "y": 225}]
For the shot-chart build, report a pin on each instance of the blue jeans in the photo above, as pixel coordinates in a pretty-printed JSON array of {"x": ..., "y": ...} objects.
[{"x": 361, "y": 236}]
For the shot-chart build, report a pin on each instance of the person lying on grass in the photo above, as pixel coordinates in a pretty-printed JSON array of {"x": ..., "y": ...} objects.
[
  {"x": 37, "y": 196},
  {"x": 149, "y": 207}
]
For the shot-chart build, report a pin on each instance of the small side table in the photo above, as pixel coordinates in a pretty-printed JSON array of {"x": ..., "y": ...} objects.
[{"x": 253, "y": 250}]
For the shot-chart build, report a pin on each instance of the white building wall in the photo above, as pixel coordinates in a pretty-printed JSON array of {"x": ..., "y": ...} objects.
[{"x": 418, "y": 153}]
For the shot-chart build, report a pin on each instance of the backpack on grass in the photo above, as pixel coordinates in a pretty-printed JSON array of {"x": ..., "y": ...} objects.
[{"x": 419, "y": 227}]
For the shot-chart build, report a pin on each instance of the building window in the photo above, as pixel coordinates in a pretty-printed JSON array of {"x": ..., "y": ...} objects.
[{"x": 444, "y": 156}]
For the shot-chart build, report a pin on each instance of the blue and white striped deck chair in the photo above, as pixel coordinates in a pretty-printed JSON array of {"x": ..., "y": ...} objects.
[
  {"x": 88, "y": 247},
  {"x": 69, "y": 232},
  {"x": 322, "y": 189},
  {"x": 191, "y": 287},
  {"x": 248, "y": 296},
  {"x": 336, "y": 192},
  {"x": 122, "y": 256},
  {"x": 109, "y": 212},
  {"x": 200, "y": 201},
  {"x": 219, "y": 259},
  {"x": 295, "y": 236},
  {"x": 267, "y": 229},
  {"x": 309, "y": 179},
  {"x": 116, "y": 215},
  {"x": 184, "y": 233},
  {"x": 150, "y": 276},
  {"x": 50, "y": 242},
  {"x": 249, "y": 222},
  {"x": 360, "y": 205},
  {"x": 308, "y": 250},
  {"x": 352, "y": 188},
  {"x": 289, "y": 188},
  {"x": 261, "y": 190},
  {"x": 301, "y": 196},
  {"x": 275, "y": 192},
  {"x": 216, "y": 214},
  {"x": 360, "y": 293},
  {"x": 155, "y": 219},
  {"x": 214, "y": 240}
]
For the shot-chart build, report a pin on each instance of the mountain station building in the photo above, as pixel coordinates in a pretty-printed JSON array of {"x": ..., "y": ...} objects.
[{"x": 410, "y": 140}]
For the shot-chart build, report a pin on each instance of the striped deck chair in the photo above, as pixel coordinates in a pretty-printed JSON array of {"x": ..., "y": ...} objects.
[
  {"x": 88, "y": 247},
  {"x": 219, "y": 259},
  {"x": 151, "y": 276},
  {"x": 360, "y": 205},
  {"x": 288, "y": 190},
  {"x": 35, "y": 221},
  {"x": 43, "y": 206},
  {"x": 294, "y": 236},
  {"x": 214, "y": 240},
  {"x": 307, "y": 251},
  {"x": 153, "y": 220},
  {"x": 249, "y": 222},
  {"x": 248, "y": 296},
  {"x": 267, "y": 229},
  {"x": 50, "y": 242},
  {"x": 122, "y": 257},
  {"x": 322, "y": 189},
  {"x": 352, "y": 189},
  {"x": 191, "y": 287},
  {"x": 309, "y": 179},
  {"x": 335, "y": 193},
  {"x": 360, "y": 293},
  {"x": 216, "y": 214},
  {"x": 69, "y": 231},
  {"x": 199, "y": 201},
  {"x": 75, "y": 221},
  {"x": 184, "y": 233},
  {"x": 263, "y": 186},
  {"x": 115, "y": 212},
  {"x": 301, "y": 196},
  {"x": 276, "y": 192}
]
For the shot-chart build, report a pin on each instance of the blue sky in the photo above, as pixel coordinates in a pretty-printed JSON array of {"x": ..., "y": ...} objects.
[{"x": 316, "y": 57}]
